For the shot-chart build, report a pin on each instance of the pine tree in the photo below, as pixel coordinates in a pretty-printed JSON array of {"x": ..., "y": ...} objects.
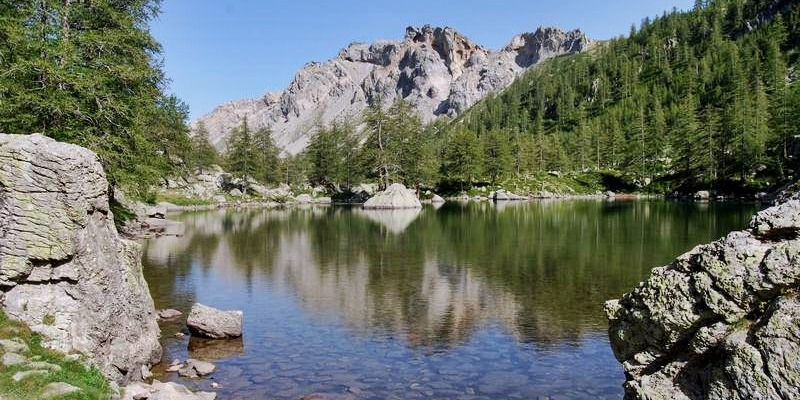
[
  {"x": 240, "y": 158},
  {"x": 497, "y": 160},
  {"x": 462, "y": 158},
  {"x": 202, "y": 154},
  {"x": 266, "y": 153},
  {"x": 86, "y": 72}
]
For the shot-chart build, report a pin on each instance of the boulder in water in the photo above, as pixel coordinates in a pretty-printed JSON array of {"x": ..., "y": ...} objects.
[
  {"x": 395, "y": 196},
  {"x": 211, "y": 323}
]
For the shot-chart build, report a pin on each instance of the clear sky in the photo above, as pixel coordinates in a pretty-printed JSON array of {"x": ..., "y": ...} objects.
[{"x": 221, "y": 50}]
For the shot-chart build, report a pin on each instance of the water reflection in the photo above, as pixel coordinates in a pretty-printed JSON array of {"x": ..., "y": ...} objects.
[
  {"x": 429, "y": 280},
  {"x": 214, "y": 350},
  {"x": 395, "y": 221}
]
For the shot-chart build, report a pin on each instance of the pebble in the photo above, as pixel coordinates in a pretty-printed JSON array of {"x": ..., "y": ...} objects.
[{"x": 169, "y": 313}]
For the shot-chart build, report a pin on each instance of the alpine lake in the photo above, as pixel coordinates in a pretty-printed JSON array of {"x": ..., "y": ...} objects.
[{"x": 464, "y": 301}]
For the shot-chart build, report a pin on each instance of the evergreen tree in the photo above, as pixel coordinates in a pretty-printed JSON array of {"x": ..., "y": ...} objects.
[
  {"x": 202, "y": 154},
  {"x": 380, "y": 152},
  {"x": 240, "y": 158},
  {"x": 266, "y": 154},
  {"x": 497, "y": 160},
  {"x": 462, "y": 158},
  {"x": 86, "y": 72}
]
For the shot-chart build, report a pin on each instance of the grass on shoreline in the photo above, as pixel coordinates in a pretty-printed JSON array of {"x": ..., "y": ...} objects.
[
  {"x": 180, "y": 200},
  {"x": 91, "y": 381}
]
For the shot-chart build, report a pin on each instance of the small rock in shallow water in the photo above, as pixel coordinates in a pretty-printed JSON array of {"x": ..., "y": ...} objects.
[
  {"x": 180, "y": 335},
  {"x": 174, "y": 367},
  {"x": 202, "y": 367},
  {"x": 56, "y": 389},
  {"x": 196, "y": 368},
  {"x": 169, "y": 313},
  {"x": 214, "y": 324},
  {"x": 215, "y": 385},
  {"x": 146, "y": 374}
]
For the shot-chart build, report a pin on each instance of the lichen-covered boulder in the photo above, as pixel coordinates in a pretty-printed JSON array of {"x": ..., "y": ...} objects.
[
  {"x": 720, "y": 322},
  {"x": 64, "y": 270},
  {"x": 208, "y": 322},
  {"x": 395, "y": 196}
]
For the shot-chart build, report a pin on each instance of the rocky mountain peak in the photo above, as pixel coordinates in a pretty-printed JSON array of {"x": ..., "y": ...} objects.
[
  {"x": 437, "y": 70},
  {"x": 453, "y": 48}
]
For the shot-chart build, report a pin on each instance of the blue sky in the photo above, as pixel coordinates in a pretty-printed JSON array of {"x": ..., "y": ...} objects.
[{"x": 216, "y": 51}]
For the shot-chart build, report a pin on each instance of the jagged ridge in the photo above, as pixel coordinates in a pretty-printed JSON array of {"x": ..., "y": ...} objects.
[{"x": 437, "y": 70}]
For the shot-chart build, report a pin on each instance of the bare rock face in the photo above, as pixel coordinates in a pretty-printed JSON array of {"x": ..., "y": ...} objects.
[
  {"x": 436, "y": 70},
  {"x": 721, "y": 322},
  {"x": 63, "y": 268}
]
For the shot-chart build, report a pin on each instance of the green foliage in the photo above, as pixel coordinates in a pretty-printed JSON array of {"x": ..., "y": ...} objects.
[
  {"x": 87, "y": 72},
  {"x": 181, "y": 200},
  {"x": 92, "y": 383},
  {"x": 329, "y": 156},
  {"x": 202, "y": 154},
  {"x": 398, "y": 148},
  {"x": 266, "y": 156},
  {"x": 240, "y": 158},
  {"x": 689, "y": 99},
  {"x": 462, "y": 157},
  {"x": 121, "y": 214},
  {"x": 497, "y": 160}
]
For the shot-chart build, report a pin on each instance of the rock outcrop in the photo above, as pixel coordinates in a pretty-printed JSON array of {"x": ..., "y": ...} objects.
[
  {"x": 437, "y": 71},
  {"x": 720, "y": 322},
  {"x": 64, "y": 270},
  {"x": 394, "y": 197}
]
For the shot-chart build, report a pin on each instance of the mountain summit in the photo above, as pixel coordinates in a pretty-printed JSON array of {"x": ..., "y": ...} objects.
[{"x": 437, "y": 70}]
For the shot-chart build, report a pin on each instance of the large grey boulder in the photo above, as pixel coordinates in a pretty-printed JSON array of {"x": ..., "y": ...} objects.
[
  {"x": 395, "y": 196},
  {"x": 438, "y": 71},
  {"x": 504, "y": 195},
  {"x": 64, "y": 270},
  {"x": 211, "y": 323},
  {"x": 720, "y": 322}
]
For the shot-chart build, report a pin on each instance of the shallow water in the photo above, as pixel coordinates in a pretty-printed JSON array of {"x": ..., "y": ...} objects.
[{"x": 466, "y": 301}]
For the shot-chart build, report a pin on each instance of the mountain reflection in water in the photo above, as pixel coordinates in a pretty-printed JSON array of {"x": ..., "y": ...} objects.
[{"x": 430, "y": 281}]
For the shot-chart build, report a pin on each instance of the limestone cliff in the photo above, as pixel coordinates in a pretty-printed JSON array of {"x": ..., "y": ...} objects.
[
  {"x": 720, "y": 322},
  {"x": 437, "y": 70},
  {"x": 63, "y": 268}
]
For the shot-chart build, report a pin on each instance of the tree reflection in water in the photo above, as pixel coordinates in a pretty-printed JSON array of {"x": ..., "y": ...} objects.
[{"x": 541, "y": 270}]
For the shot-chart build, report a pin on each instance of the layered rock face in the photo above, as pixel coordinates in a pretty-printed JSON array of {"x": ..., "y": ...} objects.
[
  {"x": 63, "y": 268},
  {"x": 437, "y": 70},
  {"x": 722, "y": 321}
]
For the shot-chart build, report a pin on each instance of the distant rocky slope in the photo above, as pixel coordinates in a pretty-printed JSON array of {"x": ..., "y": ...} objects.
[
  {"x": 720, "y": 322},
  {"x": 63, "y": 268},
  {"x": 437, "y": 70}
]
